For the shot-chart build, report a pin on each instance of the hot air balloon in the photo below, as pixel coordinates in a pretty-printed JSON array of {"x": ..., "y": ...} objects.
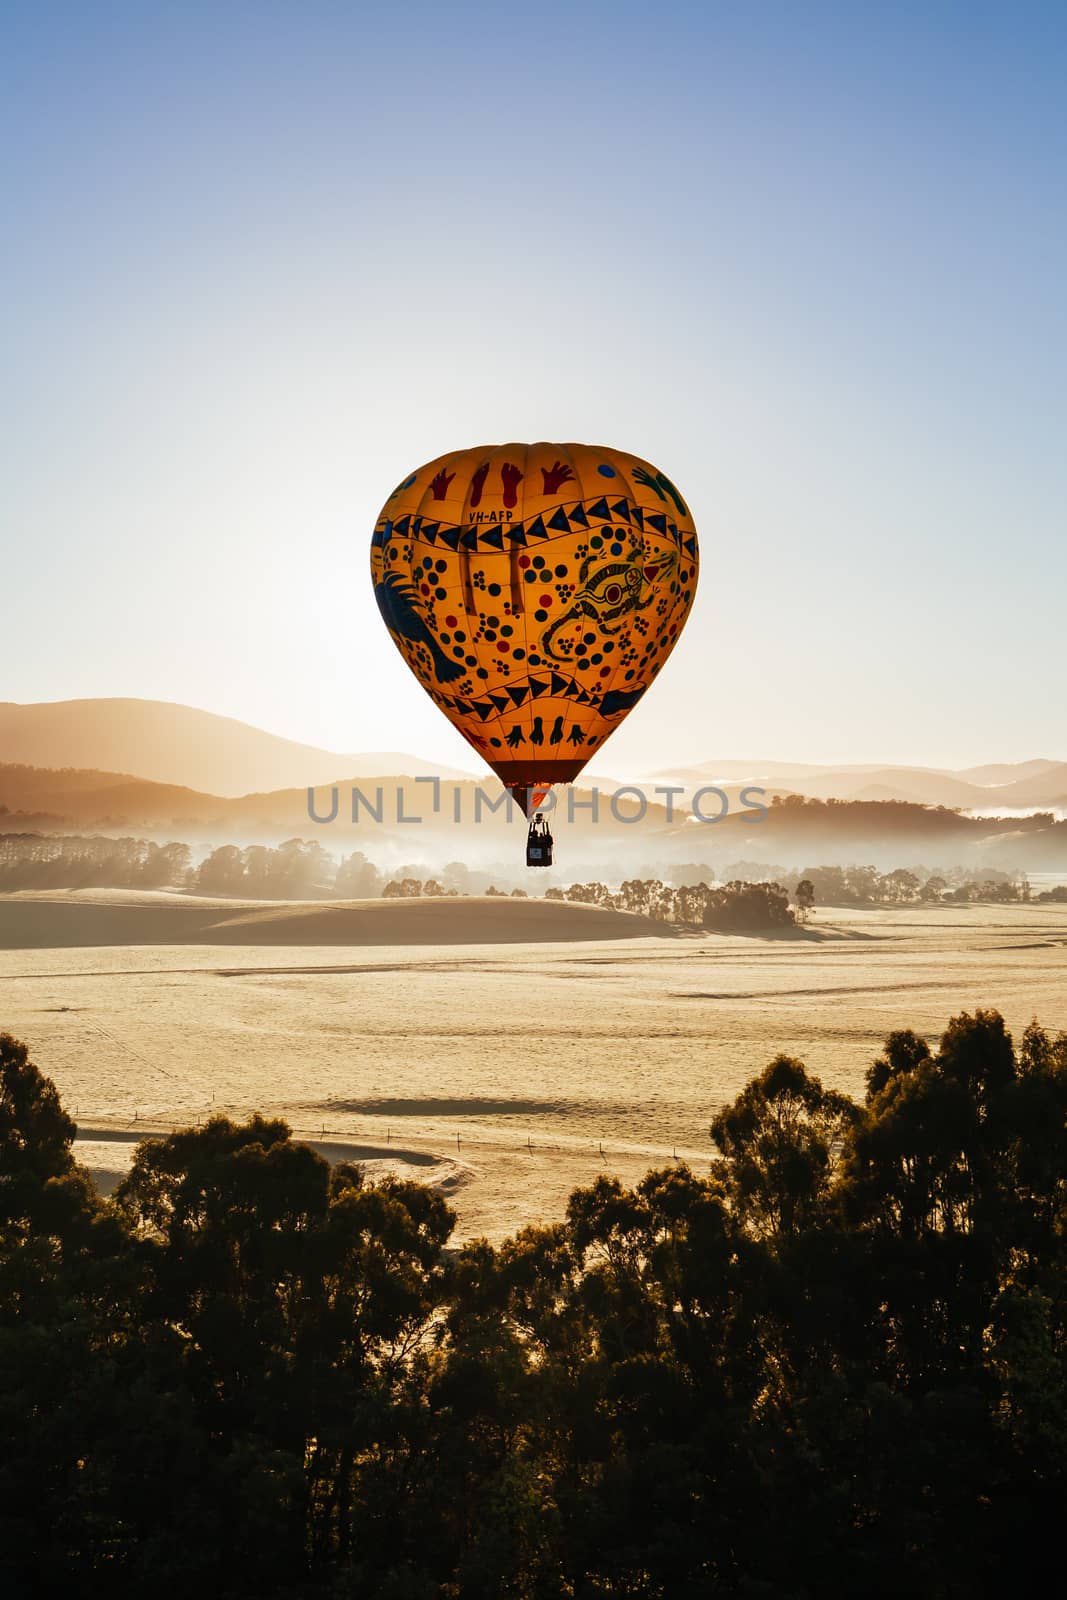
[{"x": 535, "y": 590}]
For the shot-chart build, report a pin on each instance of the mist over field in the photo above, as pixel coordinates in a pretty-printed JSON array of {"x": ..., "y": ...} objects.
[{"x": 409, "y": 819}]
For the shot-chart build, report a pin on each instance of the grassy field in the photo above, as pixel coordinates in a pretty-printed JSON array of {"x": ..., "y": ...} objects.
[{"x": 509, "y": 1072}]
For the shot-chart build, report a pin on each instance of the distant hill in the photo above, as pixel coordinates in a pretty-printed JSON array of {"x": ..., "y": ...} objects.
[
  {"x": 150, "y": 768},
  {"x": 1007, "y": 784},
  {"x": 36, "y": 799},
  {"x": 104, "y": 743},
  {"x": 1048, "y": 788},
  {"x": 897, "y": 783},
  {"x": 797, "y": 831},
  {"x": 178, "y": 744},
  {"x": 998, "y": 772}
]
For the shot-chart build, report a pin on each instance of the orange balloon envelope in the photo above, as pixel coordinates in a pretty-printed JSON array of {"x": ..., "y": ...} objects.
[{"x": 535, "y": 590}]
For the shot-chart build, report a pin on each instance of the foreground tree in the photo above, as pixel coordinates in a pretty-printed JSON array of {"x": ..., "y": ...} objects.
[{"x": 835, "y": 1365}]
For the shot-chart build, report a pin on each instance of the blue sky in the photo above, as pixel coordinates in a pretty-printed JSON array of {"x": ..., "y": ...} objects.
[{"x": 262, "y": 260}]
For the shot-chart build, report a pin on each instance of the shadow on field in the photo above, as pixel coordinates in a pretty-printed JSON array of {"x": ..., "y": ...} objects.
[
  {"x": 831, "y": 935},
  {"x": 470, "y": 1106}
]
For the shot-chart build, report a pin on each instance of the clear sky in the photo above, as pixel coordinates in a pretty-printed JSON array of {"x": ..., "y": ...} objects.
[{"x": 261, "y": 260}]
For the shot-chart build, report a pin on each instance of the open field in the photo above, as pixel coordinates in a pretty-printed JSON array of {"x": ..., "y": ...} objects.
[
  {"x": 493, "y": 1066},
  {"x": 84, "y": 918}
]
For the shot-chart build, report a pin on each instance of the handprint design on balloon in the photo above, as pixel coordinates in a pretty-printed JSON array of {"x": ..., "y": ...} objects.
[
  {"x": 511, "y": 477},
  {"x": 659, "y": 482},
  {"x": 439, "y": 485},
  {"x": 556, "y": 475}
]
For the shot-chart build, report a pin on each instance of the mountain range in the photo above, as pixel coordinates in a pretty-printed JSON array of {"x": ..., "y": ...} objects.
[
  {"x": 999, "y": 785},
  {"x": 43, "y": 801},
  {"x": 103, "y": 744}
]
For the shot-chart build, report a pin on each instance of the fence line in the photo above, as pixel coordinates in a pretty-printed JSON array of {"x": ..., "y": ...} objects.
[{"x": 159, "y": 1124}]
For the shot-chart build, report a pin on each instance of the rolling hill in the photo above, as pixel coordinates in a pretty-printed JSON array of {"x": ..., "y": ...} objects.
[
  {"x": 1018, "y": 784},
  {"x": 798, "y": 831},
  {"x": 116, "y": 740},
  {"x": 178, "y": 744},
  {"x": 170, "y": 772}
]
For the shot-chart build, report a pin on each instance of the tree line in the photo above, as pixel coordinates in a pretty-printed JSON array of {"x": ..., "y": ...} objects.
[
  {"x": 883, "y": 818},
  {"x": 835, "y": 1364},
  {"x": 737, "y": 905},
  {"x": 66, "y": 861},
  {"x": 296, "y": 869},
  {"x": 303, "y": 869},
  {"x": 866, "y": 886}
]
